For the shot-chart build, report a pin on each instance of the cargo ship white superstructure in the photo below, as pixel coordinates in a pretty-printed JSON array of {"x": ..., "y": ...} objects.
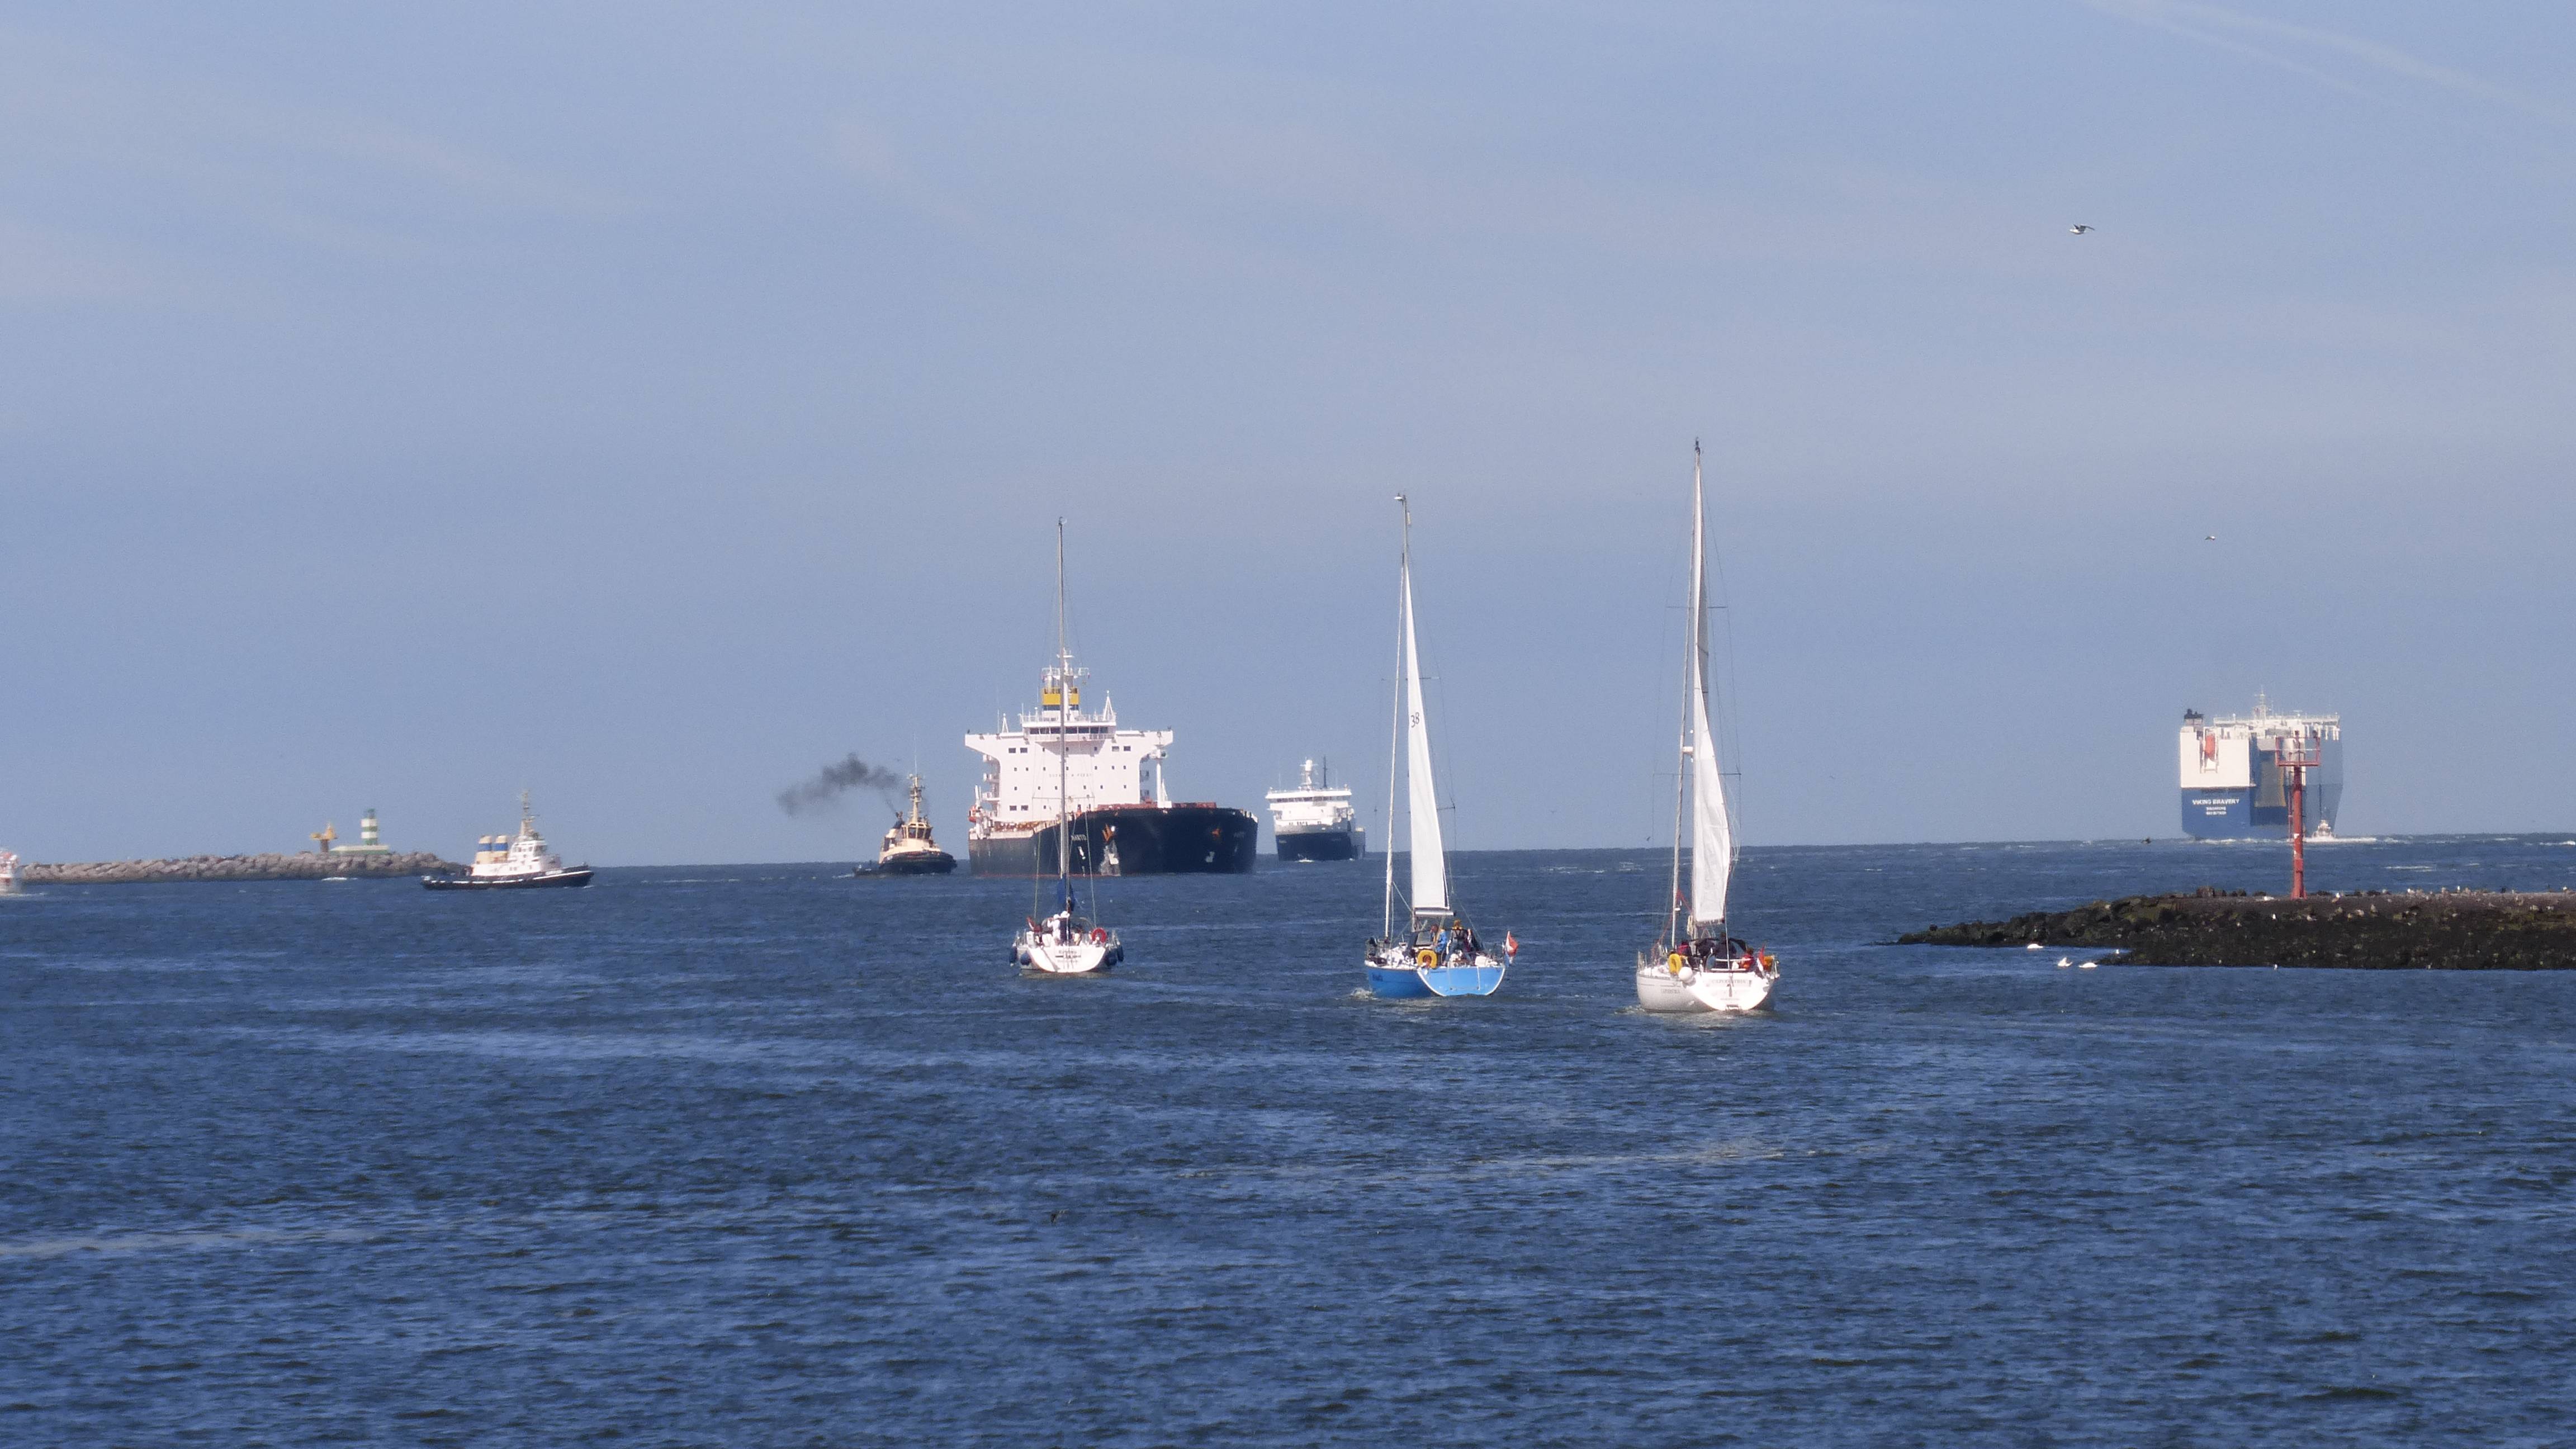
[{"x": 1118, "y": 828}]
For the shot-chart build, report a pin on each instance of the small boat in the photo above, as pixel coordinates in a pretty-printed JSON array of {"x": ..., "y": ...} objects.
[
  {"x": 1697, "y": 965},
  {"x": 908, "y": 849},
  {"x": 1438, "y": 952},
  {"x": 9, "y": 885},
  {"x": 513, "y": 862},
  {"x": 1063, "y": 943}
]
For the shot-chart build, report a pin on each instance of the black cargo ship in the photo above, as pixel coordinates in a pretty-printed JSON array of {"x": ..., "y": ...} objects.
[{"x": 1141, "y": 839}]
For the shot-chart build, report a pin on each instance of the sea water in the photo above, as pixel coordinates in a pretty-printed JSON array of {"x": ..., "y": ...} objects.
[{"x": 770, "y": 1155}]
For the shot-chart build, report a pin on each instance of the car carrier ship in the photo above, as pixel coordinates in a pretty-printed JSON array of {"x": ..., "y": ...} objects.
[
  {"x": 1117, "y": 827},
  {"x": 2232, "y": 782}
]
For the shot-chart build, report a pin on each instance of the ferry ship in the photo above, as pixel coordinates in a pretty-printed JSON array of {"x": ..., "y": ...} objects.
[
  {"x": 1117, "y": 828},
  {"x": 2232, "y": 784},
  {"x": 513, "y": 862},
  {"x": 1315, "y": 821},
  {"x": 908, "y": 848}
]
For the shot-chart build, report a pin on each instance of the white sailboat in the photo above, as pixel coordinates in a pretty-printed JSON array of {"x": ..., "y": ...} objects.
[
  {"x": 1696, "y": 965},
  {"x": 1063, "y": 944},
  {"x": 1437, "y": 953}
]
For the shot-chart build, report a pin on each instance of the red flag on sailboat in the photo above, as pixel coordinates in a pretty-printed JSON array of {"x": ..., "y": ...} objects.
[{"x": 1511, "y": 944}]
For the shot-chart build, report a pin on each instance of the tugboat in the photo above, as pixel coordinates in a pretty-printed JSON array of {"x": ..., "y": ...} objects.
[
  {"x": 908, "y": 849},
  {"x": 519, "y": 862}
]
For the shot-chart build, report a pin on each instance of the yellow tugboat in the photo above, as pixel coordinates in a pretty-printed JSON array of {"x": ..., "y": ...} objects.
[{"x": 908, "y": 849}]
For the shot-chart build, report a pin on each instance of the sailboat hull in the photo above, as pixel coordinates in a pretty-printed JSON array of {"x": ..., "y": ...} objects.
[
  {"x": 1480, "y": 975},
  {"x": 1392, "y": 983},
  {"x": 1052, "y": 959},
  {"x": 1659, "y": 989},
  {"x": 1040, "y": 953}
]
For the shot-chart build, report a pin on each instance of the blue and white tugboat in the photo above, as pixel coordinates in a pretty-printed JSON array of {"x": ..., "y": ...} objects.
[
  {"x": 1437, "y": 953},
  {"x": 513, "y": 862}
]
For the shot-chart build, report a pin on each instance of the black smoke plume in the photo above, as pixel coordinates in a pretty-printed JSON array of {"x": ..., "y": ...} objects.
[{"x": 828, "y": 783}]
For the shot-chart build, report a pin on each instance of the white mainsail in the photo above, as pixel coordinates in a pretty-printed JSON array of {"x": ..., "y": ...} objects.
[
  {"x": 1712, "y": 840},
  {"x": 1422, "y": 801}
]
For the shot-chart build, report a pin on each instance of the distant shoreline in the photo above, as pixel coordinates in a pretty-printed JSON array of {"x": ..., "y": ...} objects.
[{"x": 305, "y": 866}]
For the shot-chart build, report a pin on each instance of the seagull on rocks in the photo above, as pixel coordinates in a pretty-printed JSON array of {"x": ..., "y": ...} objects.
[{"x": 2079, "y": 229}]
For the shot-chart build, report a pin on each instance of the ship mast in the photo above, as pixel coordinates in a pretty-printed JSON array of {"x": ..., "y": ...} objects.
[
  {"x": 1395, "y": 730},
  {"x": 1063, "y": 692}
]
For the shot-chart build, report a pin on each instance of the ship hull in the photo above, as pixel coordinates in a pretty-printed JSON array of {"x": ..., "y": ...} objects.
[
  {"x": 1134, "y": 840},
  {"x": 551, "y": 880},
  {"x": 2243, "y": 814},
  {"x": 1319, "y": 845},
  {"x": 914, "y": 862}
]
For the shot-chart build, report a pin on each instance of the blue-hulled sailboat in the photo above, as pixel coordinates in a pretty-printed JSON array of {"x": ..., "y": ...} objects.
[{"x": 1437, "y": 953}]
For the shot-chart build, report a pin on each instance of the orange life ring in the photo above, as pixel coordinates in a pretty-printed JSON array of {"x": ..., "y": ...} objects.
[{"x": 1426, "y": 958}]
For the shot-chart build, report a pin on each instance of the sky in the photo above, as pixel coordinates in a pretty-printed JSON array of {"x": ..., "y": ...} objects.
[{"x": 647, "y": 404}]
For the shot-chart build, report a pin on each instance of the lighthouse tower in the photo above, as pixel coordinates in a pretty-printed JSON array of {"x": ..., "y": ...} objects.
[{"x": 369, "y": 842}]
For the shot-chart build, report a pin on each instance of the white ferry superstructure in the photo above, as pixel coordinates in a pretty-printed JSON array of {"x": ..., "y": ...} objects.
[{"x": 1315, "y": 820}]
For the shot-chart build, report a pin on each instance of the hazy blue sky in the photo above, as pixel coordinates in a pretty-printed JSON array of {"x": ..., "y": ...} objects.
[{"x": 647, "y": 404}]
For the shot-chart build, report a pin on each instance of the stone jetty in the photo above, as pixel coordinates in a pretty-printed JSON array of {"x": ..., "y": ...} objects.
[
  {"x": 2374, "y": 930},
  {"x": 303, "y": 866}
]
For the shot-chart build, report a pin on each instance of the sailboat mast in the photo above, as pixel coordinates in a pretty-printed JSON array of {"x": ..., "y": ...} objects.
[
  {"x": 1063, "y": 707},
  {"x": 1395, "y": 729},
  {"x": 1699, "y": 613},
  {"x": 1680, "y": 774}
]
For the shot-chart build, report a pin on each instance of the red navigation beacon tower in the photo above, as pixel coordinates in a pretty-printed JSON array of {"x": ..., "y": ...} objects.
[{"x": 2298, "y": 754}]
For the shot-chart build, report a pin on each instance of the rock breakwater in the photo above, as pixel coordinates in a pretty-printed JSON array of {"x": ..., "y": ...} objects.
[
  {"x": 305, "y": 866},
  {"x": 2374, "y": 930}
]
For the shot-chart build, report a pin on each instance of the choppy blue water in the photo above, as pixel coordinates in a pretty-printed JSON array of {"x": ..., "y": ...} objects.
[{"x": 757, "y": 1155}]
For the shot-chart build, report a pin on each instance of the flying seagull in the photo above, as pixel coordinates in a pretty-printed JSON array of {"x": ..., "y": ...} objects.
[
  {"x": 2209, "y": 538},
  {"x": 2079, "y": 228}
]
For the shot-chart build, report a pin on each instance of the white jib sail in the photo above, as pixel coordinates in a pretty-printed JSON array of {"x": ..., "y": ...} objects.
[
  {"x": 1422, "y": 801},
  {"x": 1712, "y": 841}
]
